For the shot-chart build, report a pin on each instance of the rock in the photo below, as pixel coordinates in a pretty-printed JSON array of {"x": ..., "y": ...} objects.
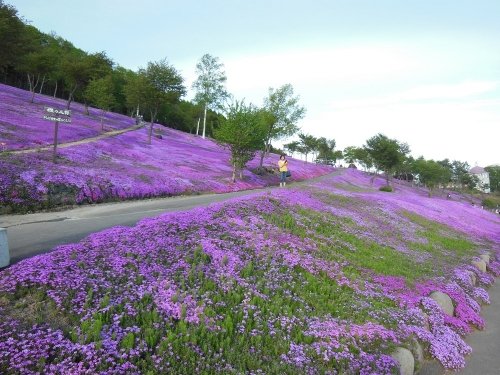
[
  {"x": 480, "y": 265},
  {"x": 427, "y": 326},
  {"x": 444, "y": 301},
  {"x": 417, "y": 351},
  {"x": 473, "y": 278},
  {"x": 485, "y": 258},
  {"x": 405, "y": 359}
]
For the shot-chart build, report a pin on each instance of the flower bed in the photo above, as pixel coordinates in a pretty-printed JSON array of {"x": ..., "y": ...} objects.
[
  {"x": 22, "y": 125},
  {"x": 316, "y": 279}
]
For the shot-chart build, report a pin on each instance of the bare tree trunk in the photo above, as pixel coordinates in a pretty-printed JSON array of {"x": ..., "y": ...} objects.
[
  {"x": 33, "y": 84},
  {"x": 204, "y": 121},
  {"x": 55, "y": 89},
  {"x": 233, "y": 178},
  {"x": 70, "y": 97},
  {"x": 150, "y": 132},
  {"x": 41, "y": 86},
  {"x": 198, "y": 126},
  {"x": 241, "y": 174}
]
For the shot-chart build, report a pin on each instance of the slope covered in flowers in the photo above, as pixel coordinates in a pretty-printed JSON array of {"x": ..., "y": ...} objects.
[
  {"x": 119, "y": 167},
  {"x": 22, "y": 125},
  {"x": 325, "y": 278}
]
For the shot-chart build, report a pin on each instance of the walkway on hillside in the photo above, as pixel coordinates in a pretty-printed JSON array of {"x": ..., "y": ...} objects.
[
  {"x": 81, "y": 141},
  {"x": 38, "y": 233}
]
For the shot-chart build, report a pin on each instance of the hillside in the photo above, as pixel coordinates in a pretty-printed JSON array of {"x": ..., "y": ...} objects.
[
  {"x": 329, "y": 277},
  {"x": 22, "y": 125},
  {"x": 114, "y": 168}
]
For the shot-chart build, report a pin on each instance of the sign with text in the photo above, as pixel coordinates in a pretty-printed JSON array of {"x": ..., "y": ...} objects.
[{"x": 57, "y": 115}]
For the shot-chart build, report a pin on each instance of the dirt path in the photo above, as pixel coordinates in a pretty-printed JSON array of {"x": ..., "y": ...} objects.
[{"x": 81, "y": 141}]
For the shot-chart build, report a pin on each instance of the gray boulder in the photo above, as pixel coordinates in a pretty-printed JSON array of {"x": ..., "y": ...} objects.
[
  {"x": 405, "y": 359},
  {"x": 444, "y": 301},
  {"x": 480, "y": 265},
  {"x": 485, "y": 258}
]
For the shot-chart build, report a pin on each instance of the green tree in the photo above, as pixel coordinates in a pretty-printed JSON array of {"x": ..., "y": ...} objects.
[
  {"x": 40, "y": 63},
  {"x": 13, "y": 38},
  {"x": 283, "y": 113},
  {"x": 308, "y": 144},
  {"x": 100, "y": 93},
  {"x": 386, "y": 153},
  {"x": 79, "y": 69},
  {"x": 494, "y": 171},
  {"x": 242, "y": 132},
  {"x": 326, "y": 150},
  {"x": 158, "y": 84},
  {"x": 349, "y": 154},
  {"x": 363, "y": 157},
  {"x": 292, "y": 147},
  {"x": 431, "y": 173},
  {"x": 210, "y": 85}
]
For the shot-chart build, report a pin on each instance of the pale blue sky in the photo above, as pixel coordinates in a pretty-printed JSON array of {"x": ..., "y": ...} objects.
[{"x": 426, "y": 72}]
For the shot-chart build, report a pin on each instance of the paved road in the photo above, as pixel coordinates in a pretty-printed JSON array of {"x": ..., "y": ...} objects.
[
  {"x": 485, "y": 357},
  {"x": 38, "y": 233}
]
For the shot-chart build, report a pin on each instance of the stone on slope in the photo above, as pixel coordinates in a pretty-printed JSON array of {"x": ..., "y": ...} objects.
[
  {"x": 405, "y": 359},
  {"x": 444, "y": 301},
  {"x": 473, "y": 278},
  {"x": 485, "y": 258},
  {"x": 480, "y": 265}
]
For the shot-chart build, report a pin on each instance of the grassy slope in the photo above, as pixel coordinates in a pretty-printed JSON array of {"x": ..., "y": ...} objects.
[{"x": 315, "y": 279}]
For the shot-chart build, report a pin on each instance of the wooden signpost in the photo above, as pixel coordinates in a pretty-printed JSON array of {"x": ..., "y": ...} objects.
[{"x": 57, "y": 115}]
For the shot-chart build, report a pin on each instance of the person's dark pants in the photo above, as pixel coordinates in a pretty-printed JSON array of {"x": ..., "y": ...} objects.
[{"x": 282, "y": 176}]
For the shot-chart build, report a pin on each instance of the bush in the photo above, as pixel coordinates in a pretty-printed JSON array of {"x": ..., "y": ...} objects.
[
  {"x": 489, "y": 203},
  {"x": 386, "y": 188}
]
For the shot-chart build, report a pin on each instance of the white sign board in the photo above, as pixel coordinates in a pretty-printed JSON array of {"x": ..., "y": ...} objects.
[{"x": 59, "y": 115}]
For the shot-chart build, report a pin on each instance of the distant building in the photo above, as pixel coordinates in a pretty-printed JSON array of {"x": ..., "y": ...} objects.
[{"x": 483, "y": 177}]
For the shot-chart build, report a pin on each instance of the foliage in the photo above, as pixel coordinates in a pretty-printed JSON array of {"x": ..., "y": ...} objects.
[
  {"x": 386, "y": 153},
  {"x": 14, "y": 42},
  {"x": 283, "y": 113},
  {"x": 210, "y": 85},
  {"x": 242, "y": 132},
  {"x": 491, "y": 202},
  {"x": 431, "y": 173},
  {"x": 386, "y": 188},
  {"x": 494, "y": 172},
  {"x": 100, "y": 93}
]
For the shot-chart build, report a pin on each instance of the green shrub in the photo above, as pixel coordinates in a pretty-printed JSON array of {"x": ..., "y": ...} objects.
[
  {"x": 386, "y": 188},
  {"x": 489, "y": 203}
]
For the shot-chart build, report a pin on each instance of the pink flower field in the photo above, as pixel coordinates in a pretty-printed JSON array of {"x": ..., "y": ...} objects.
[
  {"x": 322, "y": 278},
  {"x": 114, "y": 168},
  {"x": 22, "y": 125}
]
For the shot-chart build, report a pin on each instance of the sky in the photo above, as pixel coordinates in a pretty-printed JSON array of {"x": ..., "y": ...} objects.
[{"x": 424, "y": 72}]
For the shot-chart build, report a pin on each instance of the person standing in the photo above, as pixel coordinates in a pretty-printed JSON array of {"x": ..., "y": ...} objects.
[{"x": 283, "y": 168}]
